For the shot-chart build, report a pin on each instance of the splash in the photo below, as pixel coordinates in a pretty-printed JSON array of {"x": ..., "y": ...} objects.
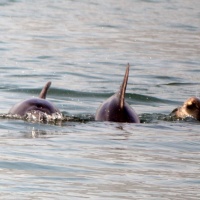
[{"x": 55, "y": 118}]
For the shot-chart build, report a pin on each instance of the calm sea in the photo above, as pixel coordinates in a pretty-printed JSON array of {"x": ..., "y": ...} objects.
[{"x": 83, "y": 47}]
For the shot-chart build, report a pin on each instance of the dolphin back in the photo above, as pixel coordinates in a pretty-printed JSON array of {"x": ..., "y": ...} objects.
[{"x": 115, "y": 108}]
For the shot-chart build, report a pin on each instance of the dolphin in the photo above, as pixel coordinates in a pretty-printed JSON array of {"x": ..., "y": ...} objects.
[
  {"x": 115, "y": 108},
  {"x": 35, "y": 106}
]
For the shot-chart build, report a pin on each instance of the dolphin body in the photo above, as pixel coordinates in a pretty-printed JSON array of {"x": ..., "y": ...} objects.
[
  {"x": 115, "y": 108},
  {"x": 35, "y": 106}
]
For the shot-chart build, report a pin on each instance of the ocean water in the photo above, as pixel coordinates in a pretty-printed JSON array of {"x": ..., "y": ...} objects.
[{"x": 83, "y": 47}]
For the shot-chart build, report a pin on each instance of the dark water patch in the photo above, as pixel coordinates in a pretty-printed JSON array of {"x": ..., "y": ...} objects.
[
  {"x": 158, "y": 117},
  {"x": 44, "y": 57},
  {"x": 67, "y": 63},
  {"x": 29, "y": 61},
  {"x": 8, "y": 116},
  {"x": 12, "y": 68},
  {"x": 24, "y": 75},
  {"x": 164, "y": 78},
  {"x": 90, "y": 95},
  {"x": 51, "y": 37},
  {"x": 5, "y": 87},
  {"x": 78, "y": 94},
  {"x": 132, "y": 96},
  {"x": 193, "y": 70},
  {"x": 108, "y": 26},
  {"x": 81, "y": 118},
  {"x": 150, "y": 99},
  {"x": 4, "y": 49},
  {"x": 83, "y": 75},
  {"x": 184, "y": 27},
  {"x": 190, "y": 62},
  {"x": 180, "y": 84},
  {"x": 7, "y": 2},
  {"x": 182, "y": 63},
  {"x": 33, "y": 166},
  {"x": 60, "y": 92},
  {"x": 154, "y": 118}
]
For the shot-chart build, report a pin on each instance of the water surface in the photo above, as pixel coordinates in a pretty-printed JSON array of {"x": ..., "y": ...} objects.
[{"x": 83, "y": 48}]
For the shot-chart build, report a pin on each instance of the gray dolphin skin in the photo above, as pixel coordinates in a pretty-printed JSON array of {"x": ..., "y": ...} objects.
[
  {"x": 115, "y": 108},
  {"x": 35, "y": 105}
]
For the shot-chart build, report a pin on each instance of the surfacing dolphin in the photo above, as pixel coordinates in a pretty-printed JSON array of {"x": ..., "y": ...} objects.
[
  {"x": 115, "y": 108},
  {"x": 37, "y": 108}
]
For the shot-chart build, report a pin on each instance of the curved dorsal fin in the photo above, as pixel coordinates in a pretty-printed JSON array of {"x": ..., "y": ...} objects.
[
  {"x": 44, "y": 90},
  {"x": 122, "y": 90}
]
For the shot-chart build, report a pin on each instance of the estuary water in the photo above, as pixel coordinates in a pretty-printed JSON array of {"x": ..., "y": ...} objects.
[{"x": 83, "y": 47}]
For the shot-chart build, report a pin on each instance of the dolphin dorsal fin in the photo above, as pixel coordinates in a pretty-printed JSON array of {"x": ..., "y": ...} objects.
[
  {"x": 43, "y": 93},
  {"x": 122, "y": 90}
]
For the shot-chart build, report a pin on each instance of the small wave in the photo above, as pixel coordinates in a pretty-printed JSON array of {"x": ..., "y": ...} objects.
[
  {"x": 55, "y": 118},
  {"x": 35, "y": 116},
  {"x": 154, "y": 117},
  {"x": 62, "y": 118},
  {"x": 157, "y": 117}
]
